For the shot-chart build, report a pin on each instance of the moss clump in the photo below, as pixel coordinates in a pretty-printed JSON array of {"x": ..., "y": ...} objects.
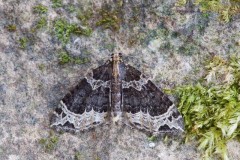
[
  {"x": 180, "y": 3},
  {"x": 78, "y": 156},
  {"x": 138, "y": 38},
  {"x": 63, "y": 30},
  {"x": 133, "y": 40},
  {"x": 97, "y": 158},
  {"x": 23, "y": 42},
  {"x": 152, "y": 138},
  {"x": 134, "y": 19},
  {"x": 188, "y": 49},
  {"x": 225, "y": 10},
  {"x": 84, "y": 15},
  {"x": 162, "y": 32},
  {"x": 49, "y": 143},
  {"x": 11, "y": 28},
  {"x": 80, "y": 60},
  {"x": 175, "y": 34},
  {"x": 41, "y": 23},
  {"x": 41, "y": 67},
  {"x": 211, "y": 108},
  {"x": 65, "y": 58},
  {"x": 40, "y": 9},
  {"x": 70, "y": 8},
  {"x": 109, "y": 16},
  {"x": 57, "y": 3},
  {"x": 110, "y": 19},
  {"x": 86, "y": 31}
]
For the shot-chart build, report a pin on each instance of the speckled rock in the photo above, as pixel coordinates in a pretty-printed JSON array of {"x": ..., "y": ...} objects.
[{"x": 167, "y": 43}]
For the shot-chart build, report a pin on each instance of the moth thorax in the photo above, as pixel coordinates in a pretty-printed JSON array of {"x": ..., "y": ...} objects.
[{"x": 116, "y": 57}]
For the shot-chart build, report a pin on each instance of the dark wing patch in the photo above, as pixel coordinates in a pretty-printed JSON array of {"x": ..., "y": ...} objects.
[
  {"x": 148, "y": 108},
  {"x": 103, "y": 72},
  {"x": 82, "y": 98},
  {"x": 150, "y": 99},
  {"x": 85, "y": 105},
  {"x": 129, "y": 73},
  {"x": 76, "y": 98}
]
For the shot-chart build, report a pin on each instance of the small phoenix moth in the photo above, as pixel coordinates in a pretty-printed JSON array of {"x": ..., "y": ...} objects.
[{"x": 119, "y": 93}]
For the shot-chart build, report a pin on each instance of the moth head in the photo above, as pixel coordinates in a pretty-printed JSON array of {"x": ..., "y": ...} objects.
[{"x": 116, "y": 57}]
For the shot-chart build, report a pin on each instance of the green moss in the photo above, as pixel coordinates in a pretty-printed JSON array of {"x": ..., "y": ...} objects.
[
  {"x": 225, "y": 10},
  {"x": 175, "y": 34},
  {"x": 109, "y": 46},
  {"x": 218, "y": 41},
  {"x": 23, "y": 42},
  {"x": 41, "y": 23},
  {"x": 166, "y": 46},
  {"x": 81, "y": 60},
  {"x": 86, "y": 31},
  {"x": 134, "y": 19},
  {"x": 132, "y": 41},
  {"x": 40, "y": 9},
  {"x": 238, "y": 43},
  {"x": 49, "y": 143},
  {"x": 109, "y": 16},
  {"x": 11, "y": 28},
  {"x": 202, "y": 22},
  {"x": 188, "y": 49},
  {"x": 63, "y": 30},
  {"x": 57, "y": 3},
  {"x": 70, "y": 8},
  {"x": 181, "y": 3},
  {"x": 211, "y": 108},
  {"x": 41, "y": 67},
  {"x": 84, "y": 15},
  {"x": 162, "y": 32},
  {"x": 152, "y": 138},
  {"x": 109, "y": 19},
  {"x": 166, "y": 140},
  {"x": 78, "y": 156},
  {"x": 65, "y": 58}
]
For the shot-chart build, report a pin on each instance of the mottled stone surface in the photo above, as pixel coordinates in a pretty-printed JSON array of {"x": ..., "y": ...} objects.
[{"x": 168, "y": 43}]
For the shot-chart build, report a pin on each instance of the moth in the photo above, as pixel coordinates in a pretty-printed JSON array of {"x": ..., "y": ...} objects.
[{"x": 119, "y": 93}]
